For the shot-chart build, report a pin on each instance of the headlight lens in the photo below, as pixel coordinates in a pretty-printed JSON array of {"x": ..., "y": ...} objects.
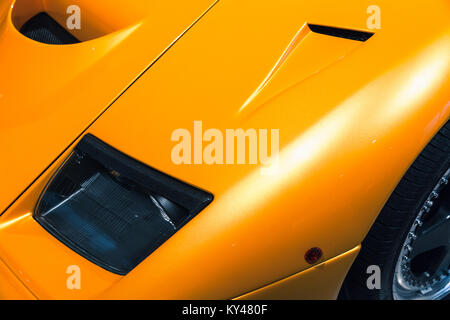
[{"x": 112, "y": 209}]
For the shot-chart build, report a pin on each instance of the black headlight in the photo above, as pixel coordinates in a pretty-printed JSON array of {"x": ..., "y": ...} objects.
[{"x": 114, "y": 210}]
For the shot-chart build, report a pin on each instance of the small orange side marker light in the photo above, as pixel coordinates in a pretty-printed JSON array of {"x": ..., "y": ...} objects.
[{"x": 313, "y": 255}]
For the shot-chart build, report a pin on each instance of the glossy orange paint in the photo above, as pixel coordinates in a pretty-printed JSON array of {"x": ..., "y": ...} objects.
[
  {"x": 52, "y": 93},
  {"x": 11, "y": 288},
  {"x": 352, "y": 117},
  {"x": 322, "y": 281}
]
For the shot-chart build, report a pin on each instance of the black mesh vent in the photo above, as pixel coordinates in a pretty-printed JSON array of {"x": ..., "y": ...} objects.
[
  {"x": 44, "y": 29},
  {"x": 341, "y": 33}
]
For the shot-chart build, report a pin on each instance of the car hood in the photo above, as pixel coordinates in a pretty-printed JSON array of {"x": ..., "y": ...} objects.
[
  {"x": 346, "y": 111},
  {"x": 49, "y": 94},
  {"x": 340, "y": 106}
]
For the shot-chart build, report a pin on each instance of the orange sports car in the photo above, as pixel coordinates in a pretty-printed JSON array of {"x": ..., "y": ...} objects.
[{"x": 224, "y": 149}]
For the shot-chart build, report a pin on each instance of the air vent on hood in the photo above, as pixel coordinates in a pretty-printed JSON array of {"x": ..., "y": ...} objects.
[
  {"x": 341, "y": 33},
  {"x": 44, "y": 29}
]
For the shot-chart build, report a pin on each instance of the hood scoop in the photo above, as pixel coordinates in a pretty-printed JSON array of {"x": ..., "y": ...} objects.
[
  {"x": 311, "y": 51},
  {"x": 341, "y": 33},
  {"x": 45, "y": 29}
]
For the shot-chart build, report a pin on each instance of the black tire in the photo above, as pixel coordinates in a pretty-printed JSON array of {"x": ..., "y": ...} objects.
[{"x": 386, "y": 238}]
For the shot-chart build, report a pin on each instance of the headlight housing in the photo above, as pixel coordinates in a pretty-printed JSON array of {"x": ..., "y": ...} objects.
[{"x": 114, "y": 210}]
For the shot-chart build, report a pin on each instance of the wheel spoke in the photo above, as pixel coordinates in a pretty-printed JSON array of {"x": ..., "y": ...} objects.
[
  {"x": 443, "y": 266},
  {"x": 437, "y": 235}
]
